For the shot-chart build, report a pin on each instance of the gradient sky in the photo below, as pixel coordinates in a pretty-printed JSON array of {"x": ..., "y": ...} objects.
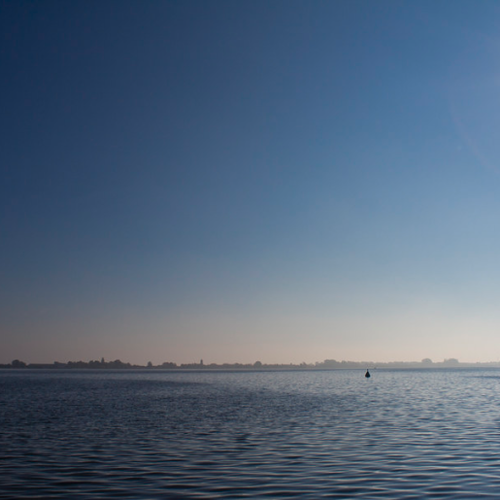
[{"x": 282, "y": 181}]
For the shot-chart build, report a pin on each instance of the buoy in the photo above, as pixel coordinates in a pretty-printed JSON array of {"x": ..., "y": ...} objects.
[{"x": 367, "y": 374}]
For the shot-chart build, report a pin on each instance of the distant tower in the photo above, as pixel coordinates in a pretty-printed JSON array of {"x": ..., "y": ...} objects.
[{"x": 201, "y": 362}]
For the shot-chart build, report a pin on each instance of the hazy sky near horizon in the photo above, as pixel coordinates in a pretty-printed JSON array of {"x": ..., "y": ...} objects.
[{"x": 281, "y": 181}]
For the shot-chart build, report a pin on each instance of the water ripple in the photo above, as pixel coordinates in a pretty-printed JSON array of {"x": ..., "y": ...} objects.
[{"x": 402, "y": 434}]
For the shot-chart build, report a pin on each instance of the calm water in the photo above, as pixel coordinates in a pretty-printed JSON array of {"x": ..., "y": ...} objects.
[{"x": 400, "y": 434}]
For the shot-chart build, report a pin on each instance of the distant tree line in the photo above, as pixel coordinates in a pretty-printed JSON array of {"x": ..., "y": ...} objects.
[{"x": 328, "y": 364}]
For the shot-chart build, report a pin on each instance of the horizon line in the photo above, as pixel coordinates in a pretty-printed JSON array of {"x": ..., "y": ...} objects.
[{"x": 327, "y": 363}]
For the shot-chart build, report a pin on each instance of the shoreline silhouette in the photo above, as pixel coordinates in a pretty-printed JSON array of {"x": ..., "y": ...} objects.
[{"x": 328, "y": 364}]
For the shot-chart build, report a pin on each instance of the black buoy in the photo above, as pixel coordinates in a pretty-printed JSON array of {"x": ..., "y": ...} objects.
[{"x": 367, "y": 374}]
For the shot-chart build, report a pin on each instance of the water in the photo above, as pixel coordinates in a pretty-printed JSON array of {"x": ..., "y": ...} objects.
[{"x": 161, "y": 434}]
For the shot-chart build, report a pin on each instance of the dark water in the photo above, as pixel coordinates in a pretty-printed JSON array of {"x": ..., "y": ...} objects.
[{"x": 400, "y": 434}]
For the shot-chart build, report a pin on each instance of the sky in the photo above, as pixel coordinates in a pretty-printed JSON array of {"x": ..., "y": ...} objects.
[{"x": 282, "y": 181}]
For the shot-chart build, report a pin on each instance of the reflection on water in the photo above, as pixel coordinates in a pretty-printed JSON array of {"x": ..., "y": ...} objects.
[{"x": 398, "y": 434}]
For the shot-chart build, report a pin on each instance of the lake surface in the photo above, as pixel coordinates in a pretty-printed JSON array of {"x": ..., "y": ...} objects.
[{"x": 312, "y": 434}]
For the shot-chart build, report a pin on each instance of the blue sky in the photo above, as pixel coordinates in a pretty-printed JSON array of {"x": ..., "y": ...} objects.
[{"x": 237, "y": 181}]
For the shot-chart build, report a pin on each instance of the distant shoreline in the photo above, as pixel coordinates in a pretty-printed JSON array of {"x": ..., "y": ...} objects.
[{"x": 257, "y": 366}]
